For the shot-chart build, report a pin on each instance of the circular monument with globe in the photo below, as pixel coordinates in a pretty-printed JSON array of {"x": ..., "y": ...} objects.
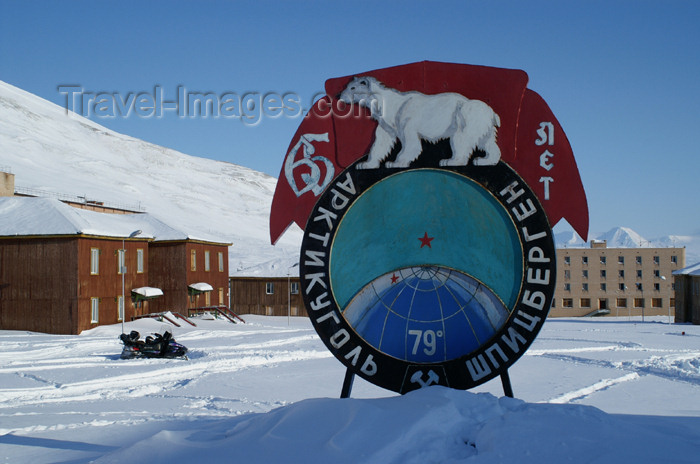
[{"x": 428, "y": 256}]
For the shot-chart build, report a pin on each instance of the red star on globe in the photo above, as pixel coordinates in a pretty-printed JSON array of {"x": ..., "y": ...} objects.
[
  {"x": 425, "y": 240},
  {"x": 394, "y": 278}
]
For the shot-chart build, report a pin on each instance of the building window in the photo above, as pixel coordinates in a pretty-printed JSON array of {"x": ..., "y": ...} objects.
[
  {"x": 270, "y": 288},
  {"x": 206, "y": 261},
  {"x": 120, "y": 308},
  {"x": 95, "y": 313},
  {"x": 121, "y": 257},
  {"x": 584, "y": 259},
  {"x": 602, "y": 260},
  {"x": 674, "y": 259},
  {"x": 639, "y": 260},
  {"x": 567, "y": 303},
  {"x": 622, "y": 287},
  {"x": 585, "y": 302},
  {"x": 639, "y": 273},
  {"x": 621, "y": 273},
  {"x": 656, "y": 260},
  {"x": 620, "y": 260},
  {"x": 193, "y": 260},
  {"x": 584, "y": 287},
  {"x": 567, "y": 287},
  {"x": 639, "y": 302},
  {"x": 657, "y": 302},
  {"x": 567, "y": 259},
  {"x": 603, "y": 287},
  {"x": 94, "y": 261},
  {"x": 639, "y": 286},
  {"x": 657, "y": 287},
  {"x": 139, "y": 261},
  {"x": 657, "y": 273},
  {"x": 621, "y": 302},
  {"x": 585, "y": 274},
  {"x": 603, "y": 274},
  {"x": 221, "y": 262},
  {"x": 294, "y": 288},
  {"x": 567, "y": 274}
]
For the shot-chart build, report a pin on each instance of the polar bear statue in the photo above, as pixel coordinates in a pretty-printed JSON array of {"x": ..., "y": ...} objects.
[{"x": 412, "y": 116}]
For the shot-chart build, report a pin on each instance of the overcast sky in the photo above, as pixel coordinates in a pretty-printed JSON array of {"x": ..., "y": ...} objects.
[{"x": 622, "y": 77}]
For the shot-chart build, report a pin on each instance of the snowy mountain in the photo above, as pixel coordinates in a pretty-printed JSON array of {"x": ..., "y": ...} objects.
[
  {"x": 49, "y": 149},
  {"x": 568, "y": 239},
  {"x": 690, "y": 242},
  {"x": 624, "y": 237}
]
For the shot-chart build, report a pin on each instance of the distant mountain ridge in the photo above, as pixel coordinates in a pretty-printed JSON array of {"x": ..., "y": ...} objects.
[{"x": 624, "y": 237}]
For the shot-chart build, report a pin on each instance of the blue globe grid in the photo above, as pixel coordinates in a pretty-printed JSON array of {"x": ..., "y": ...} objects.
[{"x": 426, "y": 314}]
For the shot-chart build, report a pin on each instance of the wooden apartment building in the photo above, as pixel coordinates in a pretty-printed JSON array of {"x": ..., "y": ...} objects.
[
  {"x": 62, "y": 268},
  {"x": 687, "y": 287},
  {"x": 267, "y": 296}
]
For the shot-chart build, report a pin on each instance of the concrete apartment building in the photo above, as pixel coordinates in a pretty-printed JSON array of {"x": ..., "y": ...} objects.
[{"x": 615, "y": 281}]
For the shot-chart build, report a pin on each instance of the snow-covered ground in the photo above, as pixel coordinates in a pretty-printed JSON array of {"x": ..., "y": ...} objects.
[{"x": 608, "y": 390}]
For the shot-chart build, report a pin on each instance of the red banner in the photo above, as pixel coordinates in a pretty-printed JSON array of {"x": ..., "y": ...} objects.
[{"x": 334, "y": 134}]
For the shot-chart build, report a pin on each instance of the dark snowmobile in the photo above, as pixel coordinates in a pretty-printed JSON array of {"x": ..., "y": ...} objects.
[{"x": 156, "y": 346}]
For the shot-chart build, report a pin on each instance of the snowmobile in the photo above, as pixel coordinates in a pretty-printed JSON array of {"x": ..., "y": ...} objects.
[{"x": 156, "y": 346}]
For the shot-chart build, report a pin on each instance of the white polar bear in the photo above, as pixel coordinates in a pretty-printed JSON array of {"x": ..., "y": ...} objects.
[{"x": 412, "y": 116}]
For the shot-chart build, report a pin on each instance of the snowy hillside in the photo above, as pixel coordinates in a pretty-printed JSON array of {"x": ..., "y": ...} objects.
[{"x": 49, "y": 149}]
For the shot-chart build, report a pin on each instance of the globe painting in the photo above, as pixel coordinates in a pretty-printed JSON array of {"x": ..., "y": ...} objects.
[
  {"x": 426, "y": 266},
  {"x": 426, "y": 314}
]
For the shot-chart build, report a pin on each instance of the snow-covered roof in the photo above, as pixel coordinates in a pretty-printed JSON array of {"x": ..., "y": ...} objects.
[
  {"x": 147, "y": 292},
  {"x": 201, "y": 287},
  {"x": 693, "y": 270},
  {"x": 26, "y": 216}
]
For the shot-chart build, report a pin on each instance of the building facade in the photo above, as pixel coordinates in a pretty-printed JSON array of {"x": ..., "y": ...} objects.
[
  {"x": 67, "y": 284},
  {"x": 177, "y": 266},
  {"x": 687, "y": 283},
  {"x": 64, "y": 270},
  {"x": 266, "y": 296},
  {"x": 615, "y": 281},
  {"x": 7, "y": 183}
]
